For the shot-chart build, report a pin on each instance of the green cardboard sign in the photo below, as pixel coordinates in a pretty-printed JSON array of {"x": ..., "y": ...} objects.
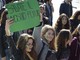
[{"x": 25, "y": 14}]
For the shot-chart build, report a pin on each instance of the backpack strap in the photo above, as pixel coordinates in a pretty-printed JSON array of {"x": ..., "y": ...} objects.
[{"x": 41, "y": 51}]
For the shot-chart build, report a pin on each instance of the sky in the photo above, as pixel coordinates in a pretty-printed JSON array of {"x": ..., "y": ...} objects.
[{"x": 56, "y": 5}]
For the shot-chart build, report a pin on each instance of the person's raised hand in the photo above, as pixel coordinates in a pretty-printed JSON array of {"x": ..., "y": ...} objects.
[{"x": 7, "y": 26}]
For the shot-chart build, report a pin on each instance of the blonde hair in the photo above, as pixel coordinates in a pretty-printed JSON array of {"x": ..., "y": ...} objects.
[{"x": 45, "y": 28}]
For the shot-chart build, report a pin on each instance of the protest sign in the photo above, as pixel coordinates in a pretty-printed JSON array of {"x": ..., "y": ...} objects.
[{"x": 25, "y": 14}]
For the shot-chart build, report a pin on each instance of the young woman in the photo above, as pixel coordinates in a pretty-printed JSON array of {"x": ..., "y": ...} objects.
[
  {"x": 75, "y": 45},
  {"x": 62, "y": 43},
  {"x": 44, "y": 17},
  {"x": 45, "y": 43},
  {"x": 25, "y": 45},
  {"x": 2, "y": 33},
  {"x": 62, "y": 23},
  {"x": 75, "y": 20},
  {"x": 49, "y": 9}
]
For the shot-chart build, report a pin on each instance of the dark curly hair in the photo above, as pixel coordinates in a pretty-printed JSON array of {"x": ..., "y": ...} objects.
[{"x": 58, "y": 25}]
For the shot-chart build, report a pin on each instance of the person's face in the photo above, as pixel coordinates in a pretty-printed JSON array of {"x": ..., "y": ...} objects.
[
  {"x": 49, "y": 35},
  {"x": 29, "y": 45},
  {"x": 64, "y": 20},
  {"x": 50, "y": 1},
  {"x": 69, "y": 0},
  {"x": 41, "y": 9},
  {"x": 79, "y": 17}
]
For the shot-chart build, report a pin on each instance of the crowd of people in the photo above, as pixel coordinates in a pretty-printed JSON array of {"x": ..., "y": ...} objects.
[{"x": 42, "y": 42}]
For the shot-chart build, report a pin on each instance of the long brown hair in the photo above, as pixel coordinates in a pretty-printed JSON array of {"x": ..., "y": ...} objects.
[
  {"x": 75, "y": 16},
  {"x": 64, "y": 35},
  {"x": 21, "y": 44},
  {"x": 76, "y": 31},
  {"x": 59, "y": 25}
]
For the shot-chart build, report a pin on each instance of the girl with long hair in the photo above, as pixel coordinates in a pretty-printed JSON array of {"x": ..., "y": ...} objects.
[
  {"x": 25, "y": 45},
  {"x": 62, "y": 43},
  {"x": 75, "y": 45},
  {"x": 45, "y": 43},
  {"x": 62, "y": 23}
]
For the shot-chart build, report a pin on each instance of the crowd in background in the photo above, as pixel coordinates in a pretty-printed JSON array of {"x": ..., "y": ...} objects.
[{"x": 42, "y": 42}]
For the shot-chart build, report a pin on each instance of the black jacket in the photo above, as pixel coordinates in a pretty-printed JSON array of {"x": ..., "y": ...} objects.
[
  {"x": 16, "y": 54},
  {"x": 2, "y": 34},
  {"x": 2, "y": 45},
  {"x": 66, "y": 8}
]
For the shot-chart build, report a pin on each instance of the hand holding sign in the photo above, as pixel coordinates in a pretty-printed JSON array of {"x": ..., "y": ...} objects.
[{"x": 25, "y": 14}]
